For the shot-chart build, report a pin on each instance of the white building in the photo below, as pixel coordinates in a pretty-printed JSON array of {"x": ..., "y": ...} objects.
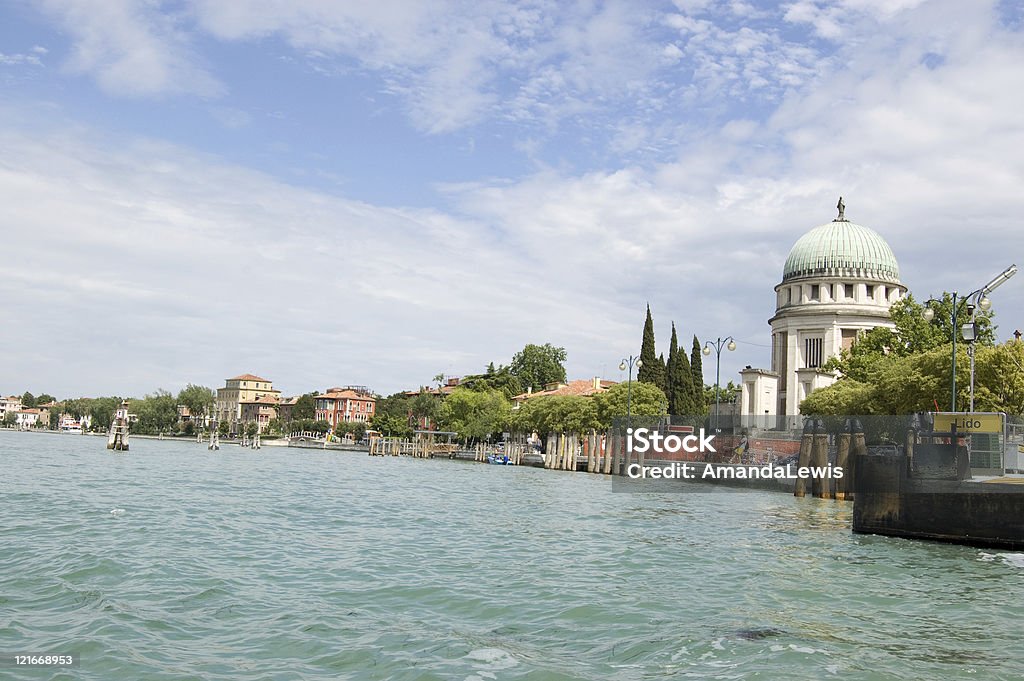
[{"x": 839, "y": 280}]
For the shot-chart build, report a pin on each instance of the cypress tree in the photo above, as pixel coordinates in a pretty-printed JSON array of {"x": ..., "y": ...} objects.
[
  {"x": 670, "y": 368},
  {"x": 697, "y": 372},
  {"x": 680, "y": 383},
  {"x": 661, "y": 377},
  {"x": 648, "y": 372}
]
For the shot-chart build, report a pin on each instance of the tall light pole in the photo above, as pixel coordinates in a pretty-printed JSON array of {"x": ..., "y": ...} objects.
[
  {"x": 975, "y": 300},
  {"x": 718, "y": 344},
  {"x": 623, "y": 365}
]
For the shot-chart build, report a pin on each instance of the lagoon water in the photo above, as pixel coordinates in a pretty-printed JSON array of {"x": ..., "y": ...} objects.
[{"x": 172, "y": 562}]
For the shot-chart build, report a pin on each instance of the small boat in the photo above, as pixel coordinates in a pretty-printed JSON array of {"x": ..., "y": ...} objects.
[{"x": 502, "y": 460}]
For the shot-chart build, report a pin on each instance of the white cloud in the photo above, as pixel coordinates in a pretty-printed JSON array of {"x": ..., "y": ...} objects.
[{"x": 131, "y": 48}]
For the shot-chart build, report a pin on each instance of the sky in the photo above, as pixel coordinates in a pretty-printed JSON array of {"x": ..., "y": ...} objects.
[{"x": 349, "y": 193}]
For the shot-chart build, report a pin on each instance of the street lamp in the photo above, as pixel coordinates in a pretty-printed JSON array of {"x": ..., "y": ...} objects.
[
  {"x": 974, "y": 300},
  {"x": 630, "y": 363},
  {"x": 718, "y": 344}
]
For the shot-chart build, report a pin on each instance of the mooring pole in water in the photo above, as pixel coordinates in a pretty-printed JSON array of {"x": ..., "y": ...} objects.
[
  {"x": 806, "y": 440},
  {"x": 821, "y": 487},
  {"x": 858, "y": 446},
  {"x": 843, "y": 459}
]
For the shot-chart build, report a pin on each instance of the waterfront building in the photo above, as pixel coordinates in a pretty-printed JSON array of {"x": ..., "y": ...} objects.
[
  {"x": 27, "y": 418},
  {"x": 338, "y": 405},
  {"x": 246, "y": 388},
  {"x": 10, "y": 404},
  {"x": 839, "y": 281},
  {"x": 259, "y": 411},
  {"x": 285, "y": 407},
  {"x": 586, "y": 387}
]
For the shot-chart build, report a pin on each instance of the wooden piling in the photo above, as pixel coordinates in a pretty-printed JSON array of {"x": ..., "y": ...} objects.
[
  {"x": 842, "y": 460},
  {"x": 806, "y": 440},
  {"x": 820, "y": 487}
]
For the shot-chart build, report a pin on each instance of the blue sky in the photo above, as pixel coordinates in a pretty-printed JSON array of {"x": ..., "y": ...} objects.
[{"x": 332, "y": 193}]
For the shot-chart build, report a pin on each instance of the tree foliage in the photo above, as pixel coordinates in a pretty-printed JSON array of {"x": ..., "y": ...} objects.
[
  {"x": 475, "y": 414},
  {"x": 644, "y": 399},
  {"x": 501, "y": 379},
  {"x": 537, "y": 365},
  {"x": 557, "y": 414},
  {"x": 198, "y": 398},
  {"x": 391, "y": 416},
  {"x": 157, "y": 413},
  {"x": 28, "y": 400},
  {"x": 698, "y": 399},
  {"x": 304, "y": 407},
  {"x": 913, "y": 335},
  {"x": 652, "y": 367}
]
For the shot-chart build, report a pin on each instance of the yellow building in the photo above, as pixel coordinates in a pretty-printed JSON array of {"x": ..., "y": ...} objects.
[{"x": 240, "y": 390}]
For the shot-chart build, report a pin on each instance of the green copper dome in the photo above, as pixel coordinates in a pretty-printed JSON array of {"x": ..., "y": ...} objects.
[{"x": 842, "y": 249}]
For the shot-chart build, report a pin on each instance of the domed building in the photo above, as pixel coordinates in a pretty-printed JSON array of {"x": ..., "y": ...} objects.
[{"x": 839, "y": 280}]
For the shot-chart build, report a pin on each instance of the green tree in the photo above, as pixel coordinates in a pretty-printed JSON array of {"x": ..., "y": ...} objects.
[
  {"x": 305, "y": 407},
  {"x": 680, "y": 380},
  {"x": 425, "y": 407},
  {"x": 556, "y": 414},
  {"x": 251, "y": 429},
  {"x": 28, "y": 400},
  {"x": 101, "y": 411},
  {"x": 10, "y": 419},
  {"x": 645, "y": 399},
  {"x": 698, "y": 398},
  {"x": 652, "y": 368},
  {"x": 45, "y": 398},
  {"x": 475, "y": 415},
  {"x": 223, "y": 428},
  {"x": 391, "y": 416},
  {"x": 198, "y": 398},
  {"x": 494, "y": 379},
  {"x": 157, "y": 413},
  {"x": 912, "y": 334},
  {"x": 537, "y": 365}
]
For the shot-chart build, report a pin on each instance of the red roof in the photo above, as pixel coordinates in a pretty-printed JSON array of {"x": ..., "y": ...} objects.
[
  {"x": 345, "y": 394},
  {"x": 248, "y": 377},
  {"x": 583, "y": 388}
]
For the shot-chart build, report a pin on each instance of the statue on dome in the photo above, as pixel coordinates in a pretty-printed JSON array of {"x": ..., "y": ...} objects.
[{"x": 842, "y": 208}]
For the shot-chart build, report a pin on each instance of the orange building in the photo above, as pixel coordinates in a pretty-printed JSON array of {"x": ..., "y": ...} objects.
[{"x": 337, "y": 405}]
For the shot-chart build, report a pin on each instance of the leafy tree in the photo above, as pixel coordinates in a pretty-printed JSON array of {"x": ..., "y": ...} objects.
[
  {"x": 157, "y": 413},
  {"x": 391, "y": 416},
  {"x": 198, "y": 398},
  {"x": 645, "y": 399},
  {"x": 680, "y": 380},
  {"x": 45, "y": 398},
  {"x": 10, "y": 419},
  {"x": 305, "y": 407},
  {"x": 356, "y": 429},
  {"x": 251, "y": 429},
  {"x": 698, "y": 399},
  {"x": 101, "y": 411},
  {"x": 912, "y": 335},
  {"x": 652, "y": 368},
  {"x": 223, "y": 428},
  {"x": 474, "y": 414},
  {"x": 190, "y": 428},
  {"x": 556, "y": 414},
  {"x": 28, "y": 400},
  {"x": 425, "y": 407},
  {"x": 537, "y": 365},
  {"x": 495, "y": 379}
]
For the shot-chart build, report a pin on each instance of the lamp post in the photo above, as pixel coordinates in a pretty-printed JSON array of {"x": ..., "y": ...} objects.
[
  {"x": 974, "y": 300},
  {"x": 718, "y": 344},
  {"x": 629, "y": 364}
]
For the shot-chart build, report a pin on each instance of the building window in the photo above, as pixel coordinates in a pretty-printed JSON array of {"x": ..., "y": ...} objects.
[
  {"x": 812, "y": 352},
  {"x": 815, "y": 292},
  {"x": 848, "y": 291},
  {"x": 871, "y": 291}
]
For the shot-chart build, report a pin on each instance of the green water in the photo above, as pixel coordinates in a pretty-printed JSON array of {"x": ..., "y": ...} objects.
[{"x": 305, "y": 564}]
